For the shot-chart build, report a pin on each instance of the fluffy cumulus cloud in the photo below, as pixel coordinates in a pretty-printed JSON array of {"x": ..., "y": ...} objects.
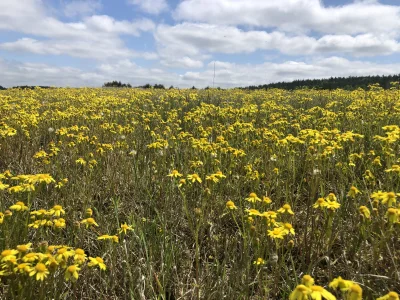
[
  {"x": 110, "y": 48},
  {"x": 179, "y": 42},
  {"x": 97, "y": 36},
  {"x": 81, "y": 8},
  {"x": 227, "y": 74},
  {"x": 151, "y": 6},
  {"x": 196, "y": 38},
  {"x": 233, "y": 75},
  {"x": 295, "y": 15},
  {"x": 18, "y": 73}
]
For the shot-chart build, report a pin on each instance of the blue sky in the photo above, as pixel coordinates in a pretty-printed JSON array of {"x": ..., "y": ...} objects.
[{"x": 178, "y": 42}]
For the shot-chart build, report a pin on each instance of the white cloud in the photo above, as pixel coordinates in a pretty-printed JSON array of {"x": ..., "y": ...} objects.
[
  {"x": 295, "y": 15},
  {"x": 234, "y": 75},
  {"x": 196, "y": 41},
  {"x": 363, "y": 28},
  {"x": 181, "y": 62},
  {"x": 360, "y": 45},
  {"x": 81, "y": 7},
  {"x": 106, "y": 24},
  {"x": 154, "y": 7},
  {"x": 108, "y": 49},
  {"x": 226, "y": 74},
  {"x": 97, "y": 36},
  {"x": 18, "y": 73}
]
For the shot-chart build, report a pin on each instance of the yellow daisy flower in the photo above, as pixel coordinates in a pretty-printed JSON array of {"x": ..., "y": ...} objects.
[
  {"x": 98, "y": 261},
  {"x": 40, "y": 270},
  {"x": 19, "y": 206},
  {"x": 230, "y": 205},
  {"x": 286, "y": 209},
  {"x": 71, "y": 273}
]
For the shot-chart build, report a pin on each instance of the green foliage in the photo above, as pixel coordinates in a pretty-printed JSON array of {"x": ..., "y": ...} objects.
[{"x": 346, "y": 83}]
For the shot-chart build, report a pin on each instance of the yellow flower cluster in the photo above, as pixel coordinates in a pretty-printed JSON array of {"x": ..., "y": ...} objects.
[
  {"x": 26, "y": 183},
  {"x": 47, "y": 260},
  {"x": 330, "y": 202},
  {"x": 189, "y": 166},
  {"x": 351, "y": 290},
  {"x": 49, "y": 218}
]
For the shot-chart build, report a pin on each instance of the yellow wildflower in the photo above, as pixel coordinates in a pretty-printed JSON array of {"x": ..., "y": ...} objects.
[
  {"x": 354, "y": 292},
  {"x": 269, "y": 214},
  {"x": 277, "y": 233},
  {"x": 332, "y": 205},
  {"x": 231, "y": 205},
  {"x": 89, "y": 212},
  {"x": 80, "y": 257},
  {"x": 301, "y": 292},
  {"x": 19, "y": 206},
  {"x": 320, "y": 203},
  {"x": 331, "y": 197},
  {"x": 40, "y": 212},
  {"x": 288, "y": 228},
  {"x": 307, "y": 280},
  {"x": 253, "y": 198},
  {"x": 212, "y": 178},
  {"x": 52, "y": 262},
  {"x": 342, "y": 284},
  {"x": 194, "y": 177},
  {"x": 181, "y": 182},
  {"x": 108, "y": 237},
  {"x": 353, "y": 192},
  {"x": 286, "y": 209},
  {"x": 89, "y": 221},
  {"x": 8, "y": 254},
  {"x": 259, "y": 261},
  {"x": 56, "y": 211},
  {"x": 81, "y": 161},
  {"x": 267, "y": 200},
  {"x": 175, "y": 174},
  {"x": 71, "y": 273},
  {"x": 389, "y": 296},
  {"x": 98, "y": 261},
  {"x": 31, "y": 257},
  {"x": 15, "y": 189},
  {"x": 43, "y": 178},
  {"x": 59, "y": 223},
  {"x": 3, "y": 186},
  {"x": 253, "y": 212},
  {"x": 392, "y": 215},
  {"x": 40, "y": 270},
  {"x": 318, "y": 292},
  {"x": 364, "y": 211},
  {"x": 219, "y": 175},
  {"x": 125, "y": 227},
  {"x": 63, "y": 254},
  {"x": 22, "y": 268},
  {"x": 24, "y": 248},
  {"x": 389, "y": 198}
]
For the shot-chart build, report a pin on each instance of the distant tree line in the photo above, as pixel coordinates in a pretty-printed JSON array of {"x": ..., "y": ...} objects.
[
  {"x": 117, "y": 84},
  {"x": 149, "y": 86},
  {"x": 346, "y": 83},
  {"x": 28, "y": 87}
]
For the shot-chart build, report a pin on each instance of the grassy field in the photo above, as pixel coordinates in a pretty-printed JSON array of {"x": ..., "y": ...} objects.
[{"x": 199, "y": 194}]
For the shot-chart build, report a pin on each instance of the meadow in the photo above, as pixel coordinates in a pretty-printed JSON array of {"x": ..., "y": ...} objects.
[{"x": 200, "y": 194}]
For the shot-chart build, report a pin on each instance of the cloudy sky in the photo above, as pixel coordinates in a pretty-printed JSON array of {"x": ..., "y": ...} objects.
[{"x": 179, "y": 42}]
